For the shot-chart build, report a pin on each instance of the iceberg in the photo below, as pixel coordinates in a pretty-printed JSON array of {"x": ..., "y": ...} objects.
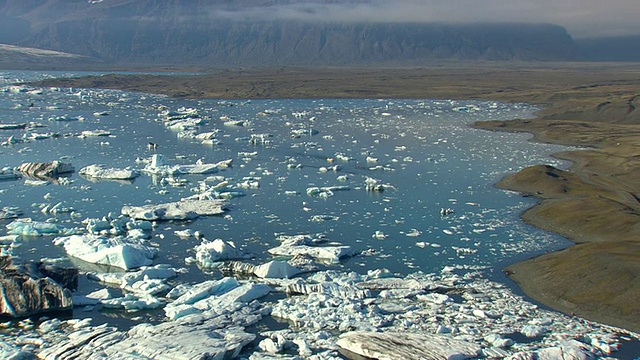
[
  {"x": 45, "y": 170},
  {"x": 118, "y": 251},
  {"x": 390, "y": 345},
  {"x": 224, "y": 295},
  {"x": 210, "y": 253},
  {"x": 8, "y": 174},
  {"x": 10, "y": 212},
  {"x": 102, "y": 172},
  {"x": 157, "y": 166},
  {"x": 271, "y": 270},
  {"x": 117, "y": 225},
  {"x": 211, "y": 338},
  {"x": 148, "y": 280},
  {"x": 301, "y": 245},
  {"x": 184, "y": 209},
  {"x": 94, "y": 133},
  {"x": 27, "y": 227},
  {"x": 29, "y": 289}
]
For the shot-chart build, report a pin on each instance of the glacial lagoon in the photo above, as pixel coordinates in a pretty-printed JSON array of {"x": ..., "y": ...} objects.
[{"x": 298, "y": 167}]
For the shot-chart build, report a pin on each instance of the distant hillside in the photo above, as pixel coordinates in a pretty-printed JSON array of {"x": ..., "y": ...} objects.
[
  {"x": 620, "y": 48},
  {"x": 176, "y": 32}
]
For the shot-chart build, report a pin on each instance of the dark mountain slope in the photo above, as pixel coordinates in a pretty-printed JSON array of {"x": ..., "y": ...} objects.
[{"x": 188, "y": 32}]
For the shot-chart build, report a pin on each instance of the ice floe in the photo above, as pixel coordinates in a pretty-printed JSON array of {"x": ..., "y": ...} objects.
[
  {"x": 157, "y": 166},
  {"x": 28, "y": 227},
  {"x": 45, "y": 170},
  {"x": 10, "y": 212},
  {"x": 307, "y": 245},
  {"x": 390, "y": 345},
  {"x": 103, "y": 172},
  {"x": 180, "y": 210},
  {"x": 112, "y": 251},
  {"x": 210, "y": 253},
  {"x": 9, "y": 174}
]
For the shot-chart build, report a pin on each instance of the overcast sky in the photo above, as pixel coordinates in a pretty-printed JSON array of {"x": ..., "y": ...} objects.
[{"x": 580, "y": 17}]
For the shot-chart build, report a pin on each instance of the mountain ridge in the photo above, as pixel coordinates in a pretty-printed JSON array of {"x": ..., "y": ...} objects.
[{"x": 205, "y": 33}]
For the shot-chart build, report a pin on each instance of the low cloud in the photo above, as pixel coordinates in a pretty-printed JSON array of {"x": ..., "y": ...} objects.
[{"x": 580, "y": 17}]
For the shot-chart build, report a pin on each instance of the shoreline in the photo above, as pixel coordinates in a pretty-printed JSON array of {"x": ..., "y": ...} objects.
[
  {"x": 596, "y": 277},
  {"x": 595, "y": 203}
]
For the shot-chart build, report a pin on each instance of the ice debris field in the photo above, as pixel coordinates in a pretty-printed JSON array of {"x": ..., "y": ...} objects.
[{"x": 140, "y": 226}]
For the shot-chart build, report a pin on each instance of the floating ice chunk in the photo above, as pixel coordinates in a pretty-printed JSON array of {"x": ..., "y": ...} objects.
[
  {"x": 210, "y": 338},
  {"x": 204, "y": 289},
  {"x": 434, "y": 298},
  {"x": 372, "y": 184},
  {"x": 322, "y": 218},
  {"x": 8, "y": 174},
  {"x": 183, "y": 124},
  {"x": 127, "y": 281},
  {"x": 392, "y": 283},
  {"x": 185, "y": 234},
  {"x": 10, "y": 212},
  {"x": 184, "y": 209},
  {"x": 299, "y": 245},
  {"x": 239, "y": 123},
  {"x": 329, "y": 253},
  {"x": 260, "y": 139},
  {"x": 66, "y": 118},
  {"x": 498, "y": 341},
  {"x": 45, "y": 170},
  {"x": 244, "y": 293},
  {"x": 533, "y": 331},
  {"x": 26, "y": 227},
  {"x": 389, "y": 345},
  {"x": 220, "y": 295},
  {"x": 95, "y": 133},
  {"x": 446, "y": 211},
  {"x": 571, "y": 349},
  {"x": 133, "y": 302},
  {"x": 414, "y": 233},
  {"x": 270, "y": 346},
  {"x": 276, "y": 269},
  {"x": 326, "y": 191},
  {"x": 111, "y": 225},
  {"x": 181, "y": 113},
  {"x": 210, "y": 253},
  {"x": 379, "y": 235},
  {"x": 157, "y": 166},
  {"x": 56, "y": 209},
  {"x": 119, "y": 252},
  {"x": 102, "y": 172},
  {"x": 93, "y": 298}
]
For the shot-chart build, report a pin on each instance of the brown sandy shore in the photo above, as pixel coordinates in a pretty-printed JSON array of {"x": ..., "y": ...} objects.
[{"x": 595, "y": 203}]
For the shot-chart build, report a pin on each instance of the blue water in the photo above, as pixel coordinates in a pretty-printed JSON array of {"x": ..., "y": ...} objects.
[{"x": 424, "y": 149}]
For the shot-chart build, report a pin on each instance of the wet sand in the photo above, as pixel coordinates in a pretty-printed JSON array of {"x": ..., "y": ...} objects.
[{"x": 595, "y": 203}]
